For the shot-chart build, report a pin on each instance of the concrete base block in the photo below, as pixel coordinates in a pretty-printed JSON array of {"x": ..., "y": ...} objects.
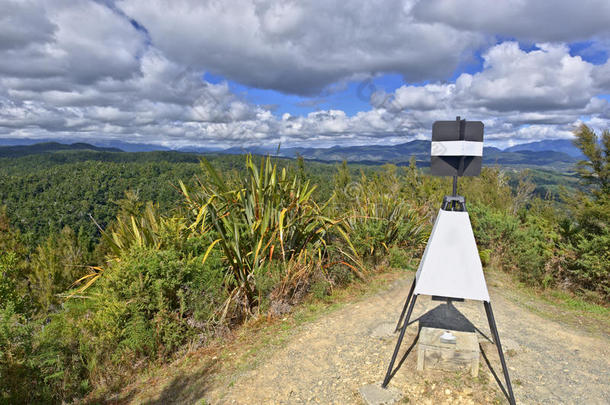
[
  {"x": 433, "y": 353},
  {"x": 373, "y": 394}
]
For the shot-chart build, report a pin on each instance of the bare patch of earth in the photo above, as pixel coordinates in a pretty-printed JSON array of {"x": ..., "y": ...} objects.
[{"x": 326, "y": 361}]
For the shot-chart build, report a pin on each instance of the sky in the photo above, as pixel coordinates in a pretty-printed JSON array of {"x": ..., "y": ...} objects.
[{"x": 315, "y": 73}]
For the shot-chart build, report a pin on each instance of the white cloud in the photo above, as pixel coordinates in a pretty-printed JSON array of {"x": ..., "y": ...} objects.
[
  {"x": 134, "y": 70},
  {"x": 541, "y": 93},
  {"x": 601, "y": 77},
  {"x": 23, "y": 23},
  {"x": 543, "y": 79},
  {"x": 534, "y": 21},
  {"x": 301, "y": 47},
  {"x": 79, "y": 41}
]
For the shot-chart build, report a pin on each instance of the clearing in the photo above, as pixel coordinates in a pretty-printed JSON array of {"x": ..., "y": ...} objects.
[{"x": 555, "y": 355}]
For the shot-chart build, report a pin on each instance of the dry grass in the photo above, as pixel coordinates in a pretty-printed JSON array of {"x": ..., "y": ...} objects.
[{"x": 552, "y": 303}]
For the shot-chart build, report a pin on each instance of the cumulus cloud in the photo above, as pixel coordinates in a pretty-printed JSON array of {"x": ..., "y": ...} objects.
[
  {"x": 519, "y": 94},
  {"x": 80, "y": 41},
  {"x": 134, "y": 70},
  {"x": 533, "y": 21},
  {"x": 302, "y": 47},
  {"x": 22, "y": 24},
  {"x": 547, "y": 78}
]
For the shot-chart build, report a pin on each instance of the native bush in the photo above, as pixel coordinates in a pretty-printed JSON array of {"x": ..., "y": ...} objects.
[
  {"x": 258, "y": 239},
  {"x": 588, "y": 234},
  {"x": 264, "y": 216},
  {"x": 587, "y": 229},
  {"x": 378, "y": 215},
  {"x": 522, "y": 246},
  {"x": 20, "y": 381},
  {"x": 146, "y": 307},
  {"x": 399, "y": 258},
  {"x": 55, "y": 264}
]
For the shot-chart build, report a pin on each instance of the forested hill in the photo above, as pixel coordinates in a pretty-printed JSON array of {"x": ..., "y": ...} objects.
[
  {"x": 49, "y": 147},
  {"x": 399, "y": 154},
  {"x": 559, "y": 145},
  {"x": 46, "y": 191}
]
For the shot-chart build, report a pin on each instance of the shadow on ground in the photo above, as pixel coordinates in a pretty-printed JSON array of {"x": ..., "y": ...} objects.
[
  {"x": 447, "y": 316},
  {"x": 187, "y": 387}
]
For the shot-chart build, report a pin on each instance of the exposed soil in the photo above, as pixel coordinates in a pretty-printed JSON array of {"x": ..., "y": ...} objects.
[{"x": 326, "y": 361}]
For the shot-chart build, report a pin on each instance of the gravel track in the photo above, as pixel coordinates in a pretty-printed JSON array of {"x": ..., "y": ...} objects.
[{"x": 326, "y": 361}]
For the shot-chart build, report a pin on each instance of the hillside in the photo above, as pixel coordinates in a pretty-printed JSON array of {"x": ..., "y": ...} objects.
[
  {"x": 420, "y": 149},
  {"x": 50, "y": 147},
  {"x": 372, "y": 153},
  {"x": 399, "y": 154},
  {"x": 42, "y": 195},
  {"x": 557, "y": 145}
]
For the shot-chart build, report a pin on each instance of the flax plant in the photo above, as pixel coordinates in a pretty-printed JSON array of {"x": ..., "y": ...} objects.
[{"x": 266, "y": 215}]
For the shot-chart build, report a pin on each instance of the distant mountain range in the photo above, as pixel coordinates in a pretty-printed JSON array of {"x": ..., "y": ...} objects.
[
  {"x": 557, "y": 145},
  {"x": 49, "y": 147},
  {"x": 557, "y": 153},
  {"x": 401, "y": 153}
]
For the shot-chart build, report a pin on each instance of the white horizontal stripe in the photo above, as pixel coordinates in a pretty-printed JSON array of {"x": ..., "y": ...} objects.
[{"x": 456, "y": 148}]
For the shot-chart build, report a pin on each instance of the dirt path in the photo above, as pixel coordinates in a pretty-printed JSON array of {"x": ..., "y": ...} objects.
[{"x": 328, "y": 360}]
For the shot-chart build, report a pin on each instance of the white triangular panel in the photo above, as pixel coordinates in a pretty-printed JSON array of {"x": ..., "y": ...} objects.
[{"x": 451, "y": 266}]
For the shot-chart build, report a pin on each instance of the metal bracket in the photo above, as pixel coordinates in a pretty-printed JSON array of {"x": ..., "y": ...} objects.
[{"x": 454, "y": 203}]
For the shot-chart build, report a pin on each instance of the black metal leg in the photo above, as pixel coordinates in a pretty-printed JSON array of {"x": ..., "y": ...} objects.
[
  {"x": 388, "y": 375},
  {"x": 496, "y": 336},
  {"x": 404, "y": 308}
]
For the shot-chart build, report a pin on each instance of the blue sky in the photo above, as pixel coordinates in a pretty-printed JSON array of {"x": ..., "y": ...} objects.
[
  {"x": 320, "y": 73},
  {"x": 354, "y": 96}
]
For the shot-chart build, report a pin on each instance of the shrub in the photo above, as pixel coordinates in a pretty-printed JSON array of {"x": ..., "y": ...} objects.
[
  {"x": 587, "y": 230},
  {"x": 523, "y": 247},
  {"x": 379, "y": 217},
  {"x": 54, "y": 266},
  {"x": 146, "y": 307},
  {"x": 262, "y": 217},
  {"x": 588, "y": 234},
  {"x": 19, "y": 381},
  {"x": 400, "y": 258}
]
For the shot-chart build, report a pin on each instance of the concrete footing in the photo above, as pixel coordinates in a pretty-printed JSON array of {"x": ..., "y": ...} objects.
[{"x": 373, "y": 394}]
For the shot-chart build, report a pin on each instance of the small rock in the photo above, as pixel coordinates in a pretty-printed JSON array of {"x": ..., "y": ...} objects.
[
  {"x": 373, "y": 394},
  {"x": 447, "y": 392},
  {"x": 383, "y": 330}
]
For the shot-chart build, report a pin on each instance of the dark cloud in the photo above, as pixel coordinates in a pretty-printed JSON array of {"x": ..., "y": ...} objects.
[
  {"x": 23, "y": 23},
  {"x": 302, "y": 47},
  {"x": 533, "y": 21}
]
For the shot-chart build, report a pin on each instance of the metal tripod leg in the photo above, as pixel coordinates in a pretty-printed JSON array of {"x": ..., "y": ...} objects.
[
  {"x": 494, "y": 332},
  {"x": 404, "y": 308},
  {"x": 388, "y": 375}
]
